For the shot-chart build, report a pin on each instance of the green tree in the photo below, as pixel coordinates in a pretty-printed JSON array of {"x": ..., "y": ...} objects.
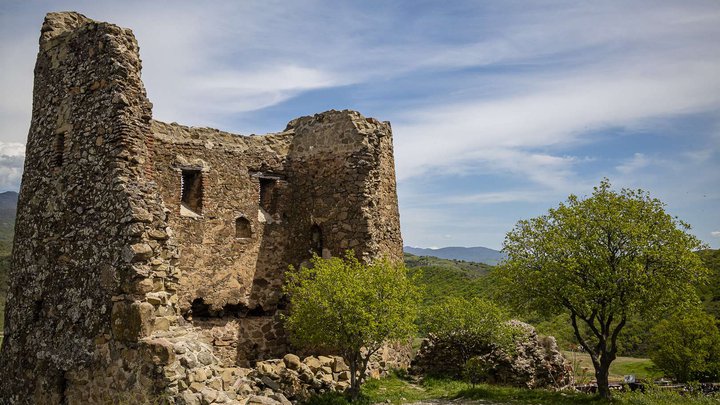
[
  {"x": 710, "y": 293},
  {"x": 350, "y": 307},
  {"x": 601, "y": 260},
  {"x": 471, "y": 326},
  {"x": 686, "y": 346}
]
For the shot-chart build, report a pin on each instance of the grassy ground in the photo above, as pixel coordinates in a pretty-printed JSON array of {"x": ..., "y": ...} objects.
[
  {"x": 641, "y": 368},
  {"x": 400, "y": 390}
]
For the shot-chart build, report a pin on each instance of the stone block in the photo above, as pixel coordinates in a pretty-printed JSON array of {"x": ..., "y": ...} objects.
[
  {"x": 313, "y": 363},
  {"x": 339, "y": 365},
  {"x": 131, "y": 321}
]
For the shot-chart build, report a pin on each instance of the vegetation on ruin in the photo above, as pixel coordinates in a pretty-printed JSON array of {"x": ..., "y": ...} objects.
[
  {"x": 601, "y": 260},
  {"x": 345, "y": 305},
  {"x": 472, "y": 325}
]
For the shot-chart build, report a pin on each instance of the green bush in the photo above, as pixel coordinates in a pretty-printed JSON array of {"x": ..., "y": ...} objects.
[
  {"x": 476, "y": 370},
  {"x": 472, "y": 325},
  {"x": 686, "y": 346}
]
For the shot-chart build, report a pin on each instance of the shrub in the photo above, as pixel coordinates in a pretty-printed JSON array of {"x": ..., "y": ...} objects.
[
  {"x": 686, "y": 346},
  {"x": 344, "y": 305}
]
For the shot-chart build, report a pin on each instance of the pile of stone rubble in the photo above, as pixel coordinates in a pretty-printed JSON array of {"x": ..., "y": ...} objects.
[{"x": 271, "y": 382}]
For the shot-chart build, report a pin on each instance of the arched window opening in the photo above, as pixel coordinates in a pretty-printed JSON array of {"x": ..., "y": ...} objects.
[
  {"x": 192, "y": 190},
  {"x": 242, "y": 228},
  {"x": 316, "y": 239},
  {"x": 267, "y": 189}
]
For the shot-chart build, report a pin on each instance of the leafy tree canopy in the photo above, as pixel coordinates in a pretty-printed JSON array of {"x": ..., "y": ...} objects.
[
  {"x": 710, "y": 293},
  {"x": 601, "y": 260},
  {"x": 471, "y": 322},
  {"x": 344, "y": 305}
]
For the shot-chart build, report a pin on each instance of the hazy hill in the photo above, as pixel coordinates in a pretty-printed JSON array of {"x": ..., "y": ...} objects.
[
  {"x": 8, "y": 202},
  {"x": 477, "y": 254}
]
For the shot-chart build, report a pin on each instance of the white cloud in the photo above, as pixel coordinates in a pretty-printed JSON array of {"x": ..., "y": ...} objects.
[
  {"x": 715, "y": 234},
  {"x": 638, "y": 161},
  {"x": 12, "y": 149},
  {"x": 12, "y": 157}
]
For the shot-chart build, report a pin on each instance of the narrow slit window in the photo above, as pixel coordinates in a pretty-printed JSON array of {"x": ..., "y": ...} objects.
[
  {"x": 242, "y": 228},
  {"x": 59, "y": 150},
  {"x": 316, "y": 239},
  {"x": 192, "y": 190},
  {"x": 267, "y": 189}
]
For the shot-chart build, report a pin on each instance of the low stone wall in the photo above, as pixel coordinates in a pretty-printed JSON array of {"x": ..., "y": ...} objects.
[
  {"x": 182, "y": 366},
  {"x": 392, "y": 356}
]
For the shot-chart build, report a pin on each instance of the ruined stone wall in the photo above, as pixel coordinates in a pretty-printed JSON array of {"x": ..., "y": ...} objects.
[
  {"x": 81, "y": 256},
  {"x": 316, "y": 187},
  {"x": 335, "y": 162},
  {"x": 151, "y": 256},
  {"x": 219, "y": 265}
]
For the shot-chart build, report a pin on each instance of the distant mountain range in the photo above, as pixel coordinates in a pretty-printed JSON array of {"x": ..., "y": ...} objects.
[
  {"x": 477, "y": 254},
  {"x": 8, "y": 200}
]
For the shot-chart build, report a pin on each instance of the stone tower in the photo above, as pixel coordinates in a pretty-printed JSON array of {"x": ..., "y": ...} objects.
[{"x": 142, "y": 246}]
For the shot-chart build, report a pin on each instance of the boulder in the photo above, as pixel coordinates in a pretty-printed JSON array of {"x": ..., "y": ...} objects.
[
  {"x": 292, "y": 361},
  {"x": 313, "y": 363},
  {"x": 339, "y": 365}
]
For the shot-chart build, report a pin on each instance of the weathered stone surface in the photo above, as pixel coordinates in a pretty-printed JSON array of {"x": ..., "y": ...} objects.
[
  {"x": 339, "y": 365},
  {"x": 313, "y": 363},
  {"x": 189, "y": 398},
  {"x": 292, "y": 361}
]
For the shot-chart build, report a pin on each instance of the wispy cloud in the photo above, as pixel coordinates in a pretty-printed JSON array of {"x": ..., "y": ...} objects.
[
  {"x": 498, "y": 197},
  {"x": 638, "y": 161},
  {"x": 558, "y": 114}
]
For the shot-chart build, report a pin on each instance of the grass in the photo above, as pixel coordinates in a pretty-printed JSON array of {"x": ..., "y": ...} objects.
[
  {"x": 622, "y": 366},
  {"x": 398, "y": 389}
]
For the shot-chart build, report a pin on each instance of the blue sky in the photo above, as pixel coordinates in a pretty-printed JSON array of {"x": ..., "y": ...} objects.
[{"x": 500, "y": 110}]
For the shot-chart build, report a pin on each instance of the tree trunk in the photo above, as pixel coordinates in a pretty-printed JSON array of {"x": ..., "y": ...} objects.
[
  {"x": 600, "y": 355},
  {"x": 601, "y": 375},
  {"x": 354, "y": 383}
]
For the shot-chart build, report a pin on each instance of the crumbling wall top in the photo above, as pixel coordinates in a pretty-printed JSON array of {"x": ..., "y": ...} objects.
[{"x": 59, "y": 23}]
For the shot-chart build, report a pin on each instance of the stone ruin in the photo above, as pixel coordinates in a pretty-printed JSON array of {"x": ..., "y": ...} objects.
[
  {"x": 149, "y": 257},
  {"x": 535, "y": 362}
]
